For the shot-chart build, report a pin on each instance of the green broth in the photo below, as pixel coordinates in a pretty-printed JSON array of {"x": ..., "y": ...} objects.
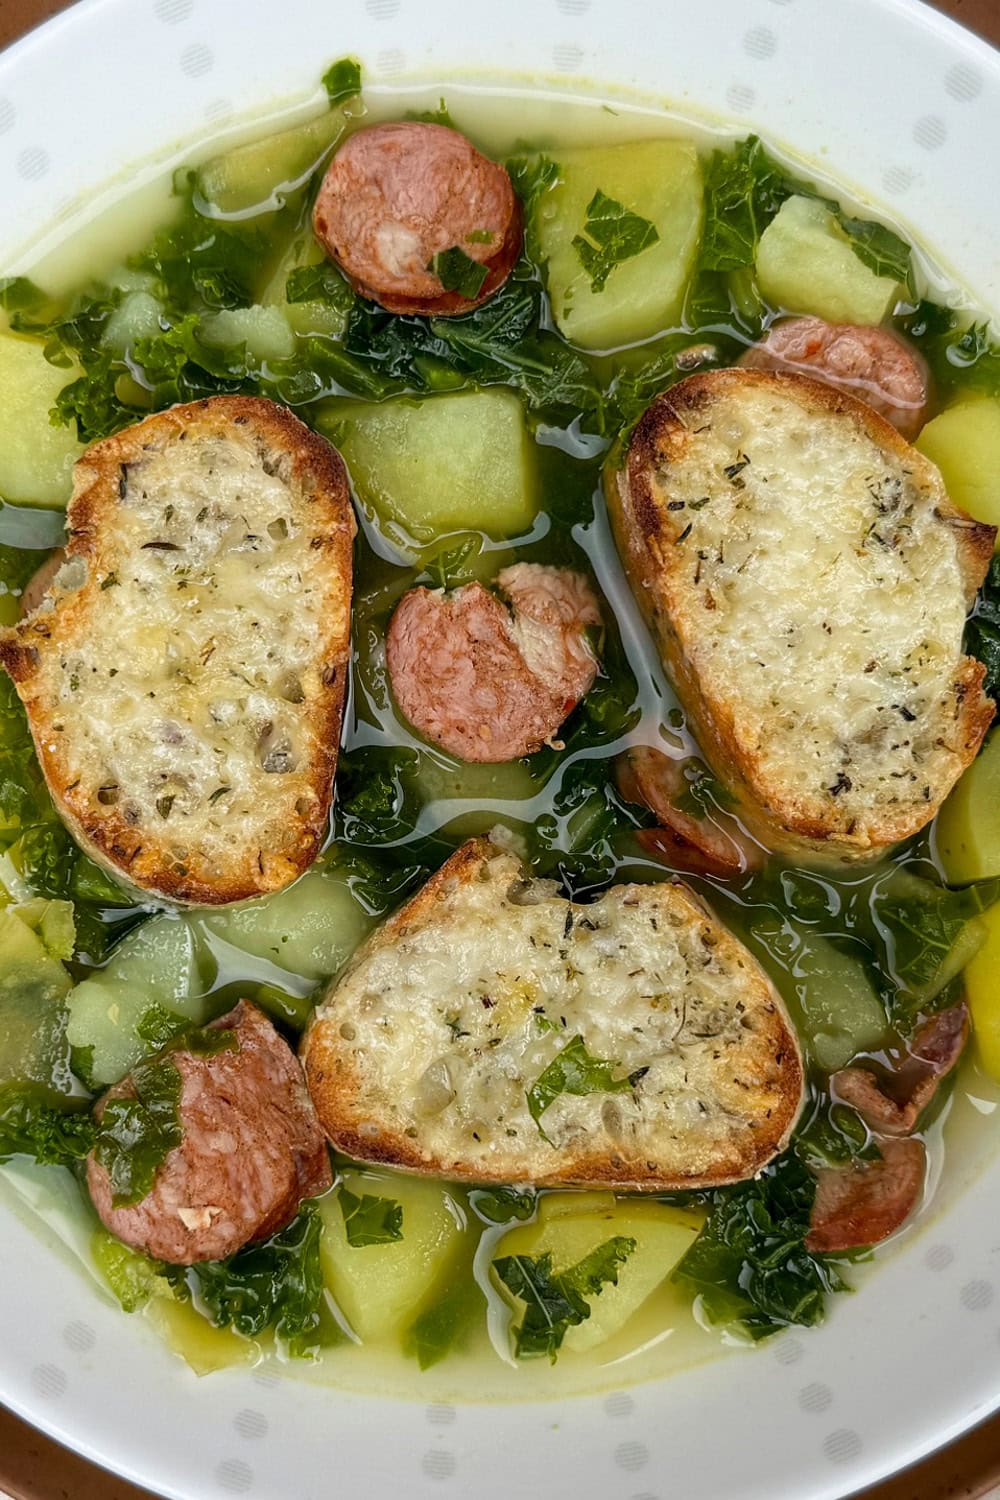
[{"x": 399, "y": 814}]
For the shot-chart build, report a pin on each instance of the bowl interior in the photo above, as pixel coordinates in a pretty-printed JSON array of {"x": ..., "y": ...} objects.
[{"x": 893, "y": 102}]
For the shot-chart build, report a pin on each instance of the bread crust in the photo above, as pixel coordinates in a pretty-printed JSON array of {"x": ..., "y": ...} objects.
[
  {"x": 346, "y": 1092},
  {"x": 647, "y": 528},
  {"x": 317, "y": 483}
]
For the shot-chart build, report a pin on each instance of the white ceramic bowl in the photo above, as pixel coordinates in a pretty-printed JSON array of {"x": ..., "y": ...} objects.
[{"x": 887, "y": 96}]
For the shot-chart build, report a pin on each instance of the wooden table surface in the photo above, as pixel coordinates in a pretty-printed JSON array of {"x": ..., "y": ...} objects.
[{"x": 34, "y": 1468}]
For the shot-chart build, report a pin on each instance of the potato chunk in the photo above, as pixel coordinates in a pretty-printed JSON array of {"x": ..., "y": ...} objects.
[
  {"x": 661, "y": 182},
  {"x": 964, "y": 442},
  {"x": 36, "y": 459},
  {"x": 805, "y": 264}
]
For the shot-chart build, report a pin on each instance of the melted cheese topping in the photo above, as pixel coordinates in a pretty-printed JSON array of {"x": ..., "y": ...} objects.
[
  {"x": 823, "y": 605},
  {"x": 449, "y": 1027}
]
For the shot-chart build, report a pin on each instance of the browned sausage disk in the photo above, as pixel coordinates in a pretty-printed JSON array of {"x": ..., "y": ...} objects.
[
  {"x": 870, "y": 363},
  {"x": 892, "y": 1105},
  {"x": 866, "y": 1201},
  {"x": 710, "y": 845},
  {"x": 488, "y": 680},
  {"x": 395, "y": 196},
  {"x": 37, "y": 585},
  {"x": 252, "y": 1149}
]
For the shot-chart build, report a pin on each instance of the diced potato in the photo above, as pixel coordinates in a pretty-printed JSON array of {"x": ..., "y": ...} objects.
[
  {"x": 805, "y": 264},
  {"x": 447, "y": 781},
  {"x": 155, "y": 965},
  {"x": 310, "y": 929},
  {"x": 964, "y": 442},
  {"x": 36, "y": 459},
  {"x": 968, "y": 827},
  {"x": 456, "y": 462},
  {"x": 380, "y": 1288},
  {"x": 137, "y": 316},
  {"x": 53, "y": 921},
  {"x": 568, "y": 1229},
  {"x": 661, "y": 182},
  {"x": 33, "y": 988},
  {"x": 260, "y": 173},
  {"x": 982, "y": 989},
  {"x": 264, "y": 330},
  {"x": 303, "y": 317},
  {"x": 204, "y": 1347},
  {"x": 829, "y": 992}
]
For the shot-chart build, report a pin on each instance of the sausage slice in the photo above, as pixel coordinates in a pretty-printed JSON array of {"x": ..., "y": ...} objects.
[
  {"x": 37, "y": 585},
  {"x": 488, "y": 680},
  {"x": 892, "y": 1105},
  {"x": 396, "y": 195},
  {"x": 866, "y": 1201},
  {"x": 656, "y": 781},
  {"x": 251, "y": 1150},
  {"x": 870, "y": 363}
]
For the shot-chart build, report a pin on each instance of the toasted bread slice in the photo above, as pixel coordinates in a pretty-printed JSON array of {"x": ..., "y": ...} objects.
[
  {"x": 184, "y": 674},
  {"x": 493, "y": 1031},
  {"x": 807, "y": 580}
]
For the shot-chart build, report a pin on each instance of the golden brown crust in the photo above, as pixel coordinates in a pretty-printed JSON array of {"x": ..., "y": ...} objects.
[
  {"x": 646, "y": 533},
  {"x": 771, "y": 1075},
  {"x": 131, "y": 852}
]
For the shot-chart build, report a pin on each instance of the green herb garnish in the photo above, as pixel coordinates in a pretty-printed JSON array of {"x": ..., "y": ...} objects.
[
  {"x": 458, "y": 272},
  {"x": 31, "y": 1126},
  {"x": 616, "y": 234},
  {"x": 369, "y": 1219},
  {"x": 504, "y": 1204},
  {"x": 574, "y": 1071}
]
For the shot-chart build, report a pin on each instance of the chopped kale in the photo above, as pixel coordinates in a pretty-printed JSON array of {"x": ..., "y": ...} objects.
[
  {"x": 369, "y": 1219},
  {"x": 612, "y": 234},
  {"x": 342, "y": 80},
  {"x": 555, "y": 1302},
  {"x": 574, "y": 1071}
]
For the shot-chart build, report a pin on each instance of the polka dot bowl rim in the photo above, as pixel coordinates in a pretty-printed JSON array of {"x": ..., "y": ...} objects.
[{"x": 885, "y": 95}]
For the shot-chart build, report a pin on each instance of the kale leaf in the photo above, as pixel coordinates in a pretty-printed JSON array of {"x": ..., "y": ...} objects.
[
  {"x": 437, "y": 1330},
  {"x": 925, "y": 928},
  {"x": 574, "y": 1071},
  {"x": 961, "y": 357},
  {"x": 612, "y": 234},
  {"x": 879, "y": 248},
  {"x": 277, "y": 1284},
  {"x": 31, "y": 1126},
  {"x": 374, "y": 805},
  {"x": 504, "y": 1204},
  {"x": 318, "y": 284},
  {"x": 750, "y": 1264},
  {"x": 982, "y": 633},
  {"x": 744, "y": 189},
  {"x": 556, "y": 1302},
  {"x": 342, "y": 80},
  {"x": 369, "y": 1219}
]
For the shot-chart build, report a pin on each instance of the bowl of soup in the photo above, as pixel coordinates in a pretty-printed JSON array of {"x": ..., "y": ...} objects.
[{"x": 499, "y": 861}]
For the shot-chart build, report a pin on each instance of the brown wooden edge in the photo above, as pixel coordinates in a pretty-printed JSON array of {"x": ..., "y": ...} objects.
[{"x": 33, "y": 1467}]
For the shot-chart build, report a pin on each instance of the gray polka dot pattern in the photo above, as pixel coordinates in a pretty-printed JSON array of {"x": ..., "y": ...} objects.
[
  {"x": 573, "y": 7},
  {"x": 197, "y": 60},
  {"x": 32, "y": 163},
  {"x": 219, "y": 111},
  {"x": 382, "y": 10},
  {"x": 79, "y": 1337},
  {"x": 440, "y": 1414},
  {"x": 391, "y": 61},
  {"x": 631, "y": 1456},
  {"x": 8, "y": 115},
  {"x": 567, "y": 57},
  {"x": 172, "y": 12},
  {"x": 760, "y": 42},
  {"x": 250, "y": 1424},
  {"x": 897, "y": 179},
  {"x": 49, "y": 1380},
  {"x": 619, "y": 1404},
  {"x": 939, "y": 1257},
  {"x": 815, "y": 1397},
  {"x": 930, "y": 132},
  {"x": 437, "y": 1463},
  {"x": 843, "y": 1445},
  {"x": 266, "y": 1379},
  {"x": 963, "y": 82},
  {"x": 976, "y": 1296},
  {"x": 234, "y": 1476},
  {"x": 740, "y": 98},
  {"x": 788, "y": 1351}
]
